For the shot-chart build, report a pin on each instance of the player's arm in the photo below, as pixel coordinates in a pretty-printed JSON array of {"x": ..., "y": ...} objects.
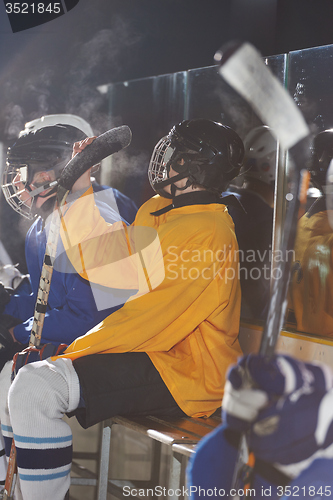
[{"x": 167, "y": 314}]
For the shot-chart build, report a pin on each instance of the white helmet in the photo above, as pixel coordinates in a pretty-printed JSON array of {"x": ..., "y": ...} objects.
[
  {"x": 260, "y": 155},
  {"x": 45, "y": 145},
  {"x": 64, "y": 119}
]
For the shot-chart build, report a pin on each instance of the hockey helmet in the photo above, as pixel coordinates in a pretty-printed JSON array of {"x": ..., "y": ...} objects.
[
  {"x": 205, "y": 152},
  {"x": 322, "y": 154},
  {"x": 260, "y": 155},
  {"x": 39, "y": 149}
]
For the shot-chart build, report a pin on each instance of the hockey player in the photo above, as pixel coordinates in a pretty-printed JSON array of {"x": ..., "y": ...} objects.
[
  {"x": 254, "y": 224},
  {"x": 312, "y": 273},
  {"x": 36, "y": 159},
  {"x": 167, "y": 350},
  {"x": 287, "y": 415}
]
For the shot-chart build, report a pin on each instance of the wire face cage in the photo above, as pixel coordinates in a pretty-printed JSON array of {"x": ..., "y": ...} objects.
[
  {"x": 161, "y": 156},
  {"x": 14, "y": 183}
]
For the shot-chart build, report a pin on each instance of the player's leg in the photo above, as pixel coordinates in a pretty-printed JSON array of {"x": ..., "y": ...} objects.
[
  {"x": 40, "y": 395},
  {"x": 121, "y": 384},
  {"x": 42, "y": 392}
]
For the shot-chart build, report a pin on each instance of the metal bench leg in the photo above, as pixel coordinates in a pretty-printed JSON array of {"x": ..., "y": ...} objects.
[
  {"x": 177, "y": 482},
  {"x": 104, "y": 463},
  {"x": 155, "y": 463},
  {"x": 174, "y": 478}
]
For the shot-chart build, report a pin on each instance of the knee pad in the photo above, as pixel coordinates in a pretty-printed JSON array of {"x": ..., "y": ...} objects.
[{"x": 45, "y": 387}]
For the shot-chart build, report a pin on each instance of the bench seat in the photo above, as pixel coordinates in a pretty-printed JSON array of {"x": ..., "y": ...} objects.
[{"x": 177, "y": 437}]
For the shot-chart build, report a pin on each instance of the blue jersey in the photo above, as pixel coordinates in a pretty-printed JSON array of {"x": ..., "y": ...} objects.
[{"x": 72, "y": 305}]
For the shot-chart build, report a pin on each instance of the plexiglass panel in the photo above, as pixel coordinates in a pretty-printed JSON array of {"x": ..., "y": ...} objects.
[
  {"x": 311, "y": 287},
  {"x": 151, "y": 106},
  {"x": 252, "y": 207},
  {"x": 209, "y": 96}
]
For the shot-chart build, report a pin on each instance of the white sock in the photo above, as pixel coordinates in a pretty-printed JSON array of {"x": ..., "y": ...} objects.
[
  {"x": 5, "y": 383},
  {"x": 38, "y": 398}
]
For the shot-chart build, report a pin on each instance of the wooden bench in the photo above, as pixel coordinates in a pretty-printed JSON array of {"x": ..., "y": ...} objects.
[{"x": 177, "y": 438}]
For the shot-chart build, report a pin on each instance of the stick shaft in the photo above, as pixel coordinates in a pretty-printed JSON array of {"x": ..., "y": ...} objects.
[
  {"x": 46, "y": 275},
  {"x": 278, "y": 300},
  {"x": 11, "y": 474},
  {"x": 243, "y": 68}
]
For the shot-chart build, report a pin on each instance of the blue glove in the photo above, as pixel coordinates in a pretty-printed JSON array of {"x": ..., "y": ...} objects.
[
  {"x": 285, "y": 405},
  {"x": 32, "y": 354}
]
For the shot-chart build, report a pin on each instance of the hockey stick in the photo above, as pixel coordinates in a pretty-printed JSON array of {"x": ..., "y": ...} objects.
[
  {"x": 242, "y": 66},
  {"x": 106, "y": 144}
]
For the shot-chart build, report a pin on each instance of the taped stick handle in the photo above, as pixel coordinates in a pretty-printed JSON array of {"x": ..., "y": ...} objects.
[{"x": 46, "y": 274}]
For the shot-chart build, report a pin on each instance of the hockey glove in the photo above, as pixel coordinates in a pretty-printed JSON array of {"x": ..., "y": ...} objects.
[
  {"x": 290, "y": 424},
  {"x": 4, "y": 297},
  {"x": 7, "y": 345},
  {"x": 32, "y": 354}
]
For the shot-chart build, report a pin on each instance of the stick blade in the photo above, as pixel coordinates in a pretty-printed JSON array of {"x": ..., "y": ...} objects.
[{"x": 243, "y": 68}]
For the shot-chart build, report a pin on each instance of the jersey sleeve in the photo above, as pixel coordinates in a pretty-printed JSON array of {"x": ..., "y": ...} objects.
[
  {"x": 110, "y": 255},
  {"x": 21, "y": 305},
  {"x": 73, "y": 312}
]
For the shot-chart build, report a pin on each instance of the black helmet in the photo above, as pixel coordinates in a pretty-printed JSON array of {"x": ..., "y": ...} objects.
[
  {"x": 322, "y": 154},
  {"x": 212, "y": 156},
  {"x": 43, "y": 150}
]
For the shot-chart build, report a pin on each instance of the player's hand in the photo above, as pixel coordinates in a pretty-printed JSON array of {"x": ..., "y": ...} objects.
[
  {"x": 81, "y": 145},
  {"x": 249, "y": 387},
  {"x": 295, "y": 422},
  {"x": 83, "y": 182},
  {"x": 32, "y": 354}
]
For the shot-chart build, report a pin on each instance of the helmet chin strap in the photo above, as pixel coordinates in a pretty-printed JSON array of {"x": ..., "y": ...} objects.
[
  {"x": 172, "y": 180},
  {"x": 35, "y": 192},
  {"x": 174, "y": 188}
]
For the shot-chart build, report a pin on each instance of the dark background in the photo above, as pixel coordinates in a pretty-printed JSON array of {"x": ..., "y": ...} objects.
[{"x": 58, "y": 65}]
